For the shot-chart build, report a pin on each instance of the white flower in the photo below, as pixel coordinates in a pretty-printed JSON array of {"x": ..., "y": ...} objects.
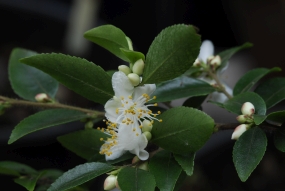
[
  {"x": 206, "y": 51},
  {"x": 239, "y": 130},
  {"x": 125, "y": 114}
]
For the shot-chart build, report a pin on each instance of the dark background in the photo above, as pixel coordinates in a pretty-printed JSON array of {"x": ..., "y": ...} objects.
[{"x": 43, "y": 26}]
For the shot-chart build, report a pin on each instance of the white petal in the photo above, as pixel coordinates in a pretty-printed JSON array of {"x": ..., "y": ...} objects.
[
  {"x": 110, "y": 108},
  {"x": 117, "y": 151},
  {"x": 206, "y": 50},
  {"x": 146, "y": 89},
  {"x": 139, "y": 150},
  {"x": 122, "y": 85}
]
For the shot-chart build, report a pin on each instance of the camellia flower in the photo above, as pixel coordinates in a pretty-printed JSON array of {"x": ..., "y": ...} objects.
[
  {"x": 206, "y": 53},
  {"x": 125, "y": 113}
]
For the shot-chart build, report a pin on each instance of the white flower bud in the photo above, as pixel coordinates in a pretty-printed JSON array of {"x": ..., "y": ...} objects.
[
  {"x": 147, "y": 135},
  {"x": 209, "y": 59},
  {"x": 138, "y": 67},
  {"x": 247, "y": 108},
  {"x": 134, "y": 78},
  {"x": 110, "y": 182},
  {"x": 216, "y": 61},
  {"x": 42, "y": 97},
  {"x": 241, "y": 118},
  {"x": 125, "y": 69},
  {"x": 197, "y": 63},
  {"x": 146, "y": 126},
  {"x": 117, "y": 185},
  {"x": 143, "y": 166},
  {"x": 239, "y": 130}
]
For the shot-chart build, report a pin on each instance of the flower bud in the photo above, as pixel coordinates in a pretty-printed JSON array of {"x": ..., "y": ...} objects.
[
  {"x": 247, "y": 108},
  {"x": 239, "y": 130},
  {"x": 135, "y": 159},
  {"x": 147, "y": 135},
  {"x": 138, "y": 67},
  {"x": 216, "y": 61},
  {"x": 134, "y": 78},
  {"x": 125, "y": 69},
  {"x": 117, "y": 185},
  {"x": 197, "y": 63},
  {"x": 146, "y": 126},
  {"x": 110, "y": 182},
  {"x": 241, "y": 118},
  {"x": 42, "y": 97},
  {"x": 209, "y": 59},
  {"x": 143, "y": 166}
]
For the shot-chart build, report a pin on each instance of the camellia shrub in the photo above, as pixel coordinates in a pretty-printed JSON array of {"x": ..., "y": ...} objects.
[{"x": 145, "y": 143}]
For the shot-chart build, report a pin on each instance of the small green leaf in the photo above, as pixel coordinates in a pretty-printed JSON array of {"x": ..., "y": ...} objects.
[
  {"x": 279, "y": 138},
  {"x": 79, "y": 175},
  {"x": 248, "y": 151},
  {"x": 195, "y": 101},
  {"x": 186, "y": 161},
  {"x": 272, "y": 91},
  {"x": 28, "y": 81},
  {"x": 85, "y": 143},
  {"x": 171, "y": 53},
  {"x": 109, "y": 37},
  {"x": 133, "y": 56},
  {"x": 182, "y": 130},
  {"x": 258, "y": 119},
  {"x": 227, "y": 54},
  {"x": 134, "y": 179},
  {"x": 278, "y": 116},
  {"x": 78, "y": 74},
  {"x": 44, "y": 119},
  {"x": 249, "y": 79},
  {"x": 181, "y": 87},
  {"x": 29, "y": 182},
  {"x": 165, "y": 169},
  {"x": 15, "y": 168},
  {"x": 234, "y": 104}
]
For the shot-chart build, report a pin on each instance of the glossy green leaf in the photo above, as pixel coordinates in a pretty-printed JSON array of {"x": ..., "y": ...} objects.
[
  {"x": 15, "y": 168},
  {"x": 79, "y": 175},
  {"x": 227, "y": 54},
  {"x": 182, "y": 130},
  {"x": 180, "y": 181},
  {"x": 248, "y": 152},
  {"x": 258, "y": 119},
  {"x": 186, "y": 161},
  {"x": 47, "y": 177},
  {"x": 133, "y": 56},
  {"x": 221, "y": 105},
  {"x": 44, "y": 119},
  {"x": 234, "y": 105},
  {"x": 28, "y": 81},
  {"x": 171, "y": 53},
  {"x": 272, "y": 91},
  {"x": 195, "y": 101},
  {"x": 279, "y": 138},
  {"x": 181, "y": 87},
  {"x": 165, "y": 169},
  {"x": 248, "y": 80},
  {"x": 134, "y": 179},
  {"x": 278, "y": 116},
  {"x": 28, "y": 182},
  {"x": 110, "y": 38},
  {"x": 85, "y": 143},
  {"x": 78, "y": 74}
]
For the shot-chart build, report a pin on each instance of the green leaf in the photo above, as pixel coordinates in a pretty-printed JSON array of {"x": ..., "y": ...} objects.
[
  {"x": 278, "y": 116},
  {"x": 44, "y": 119},
  {"x": 234, "y": 104},
  {"x": 134, "y": 179},
  {"x": 182, "y": 130},
  {"x": 47, "y": 177},
  {"x": 111, "y": 72},
  {"x": 279, "y": 138},
  {"x": 171, "y": 53},
  {"x": 85, "y": 143},
  {"x": 79, "y": 75},
  {"x": 28, "y": 182},
  {"x": 186, "y": 161},
  {"x": 79, "y": 175},
  {"x": 28, "y": 81},
  {"x": 133, "y": 56},
  {"x": 181, "y": 87},
  {"x": 195, "y": 101},
  {"x": 109, "y": 37},
  {"x": 165, "y": 169},
  {"x": 272, "y": 91},
  {"x": 248, "y": 152},
  {"x": 227, "y": 54},
  {"x": 180, "y": 181},
  {"x": 15, "y": 168},
  {"x": 248, "y": 80},
  {"x": 221, "y": 105},
  {"x": 258, "y": 119}
]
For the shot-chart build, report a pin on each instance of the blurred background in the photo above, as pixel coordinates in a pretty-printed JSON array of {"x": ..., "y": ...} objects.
[{"x": 58, "y": 26}]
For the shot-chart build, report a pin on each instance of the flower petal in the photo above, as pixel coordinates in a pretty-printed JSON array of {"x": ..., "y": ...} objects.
[
  {"x": 206, "y": 50},
  {"x": 110, "y": 108},
  {"x": 117, "y": 151},
  {"x": 121, "y": 85},
  {"x": 146, "y": 89},
  {"x": 139, "y": 151}
]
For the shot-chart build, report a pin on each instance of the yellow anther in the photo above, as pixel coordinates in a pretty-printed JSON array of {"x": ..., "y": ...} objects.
[
  {"x": 137, "y": 134},
  {"x": 154, "y": 115},
  {"x": 154, "y": 97},
  {"x": 127, "y": 102},
  {"x": 151, "y": 121},
  {"x": 98, "y": 128},
  {"x": 101, "y": 139},
  {"x": 160, "y": 120},
  {"x": 130, "y": 97},
  {"x": 158, "y": 112},
  {"x": 141, "y": 126},
  {"x": 134, "y": 129},
  {"x": 102, "y": 130},
  {"x": 155, "y": 104},
  {"x": 117, "y": 110},
  {"x": 128, "y": 119},
  {"x": 122, "y": 98},
  {"x": 123, "y": 105}
]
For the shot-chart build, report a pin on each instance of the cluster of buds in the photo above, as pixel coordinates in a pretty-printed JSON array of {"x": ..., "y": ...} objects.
[
  {"x": 133, "y": 73},
  {"x": 246, "y": 119},
  {"x": 212, "y": 62}
]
